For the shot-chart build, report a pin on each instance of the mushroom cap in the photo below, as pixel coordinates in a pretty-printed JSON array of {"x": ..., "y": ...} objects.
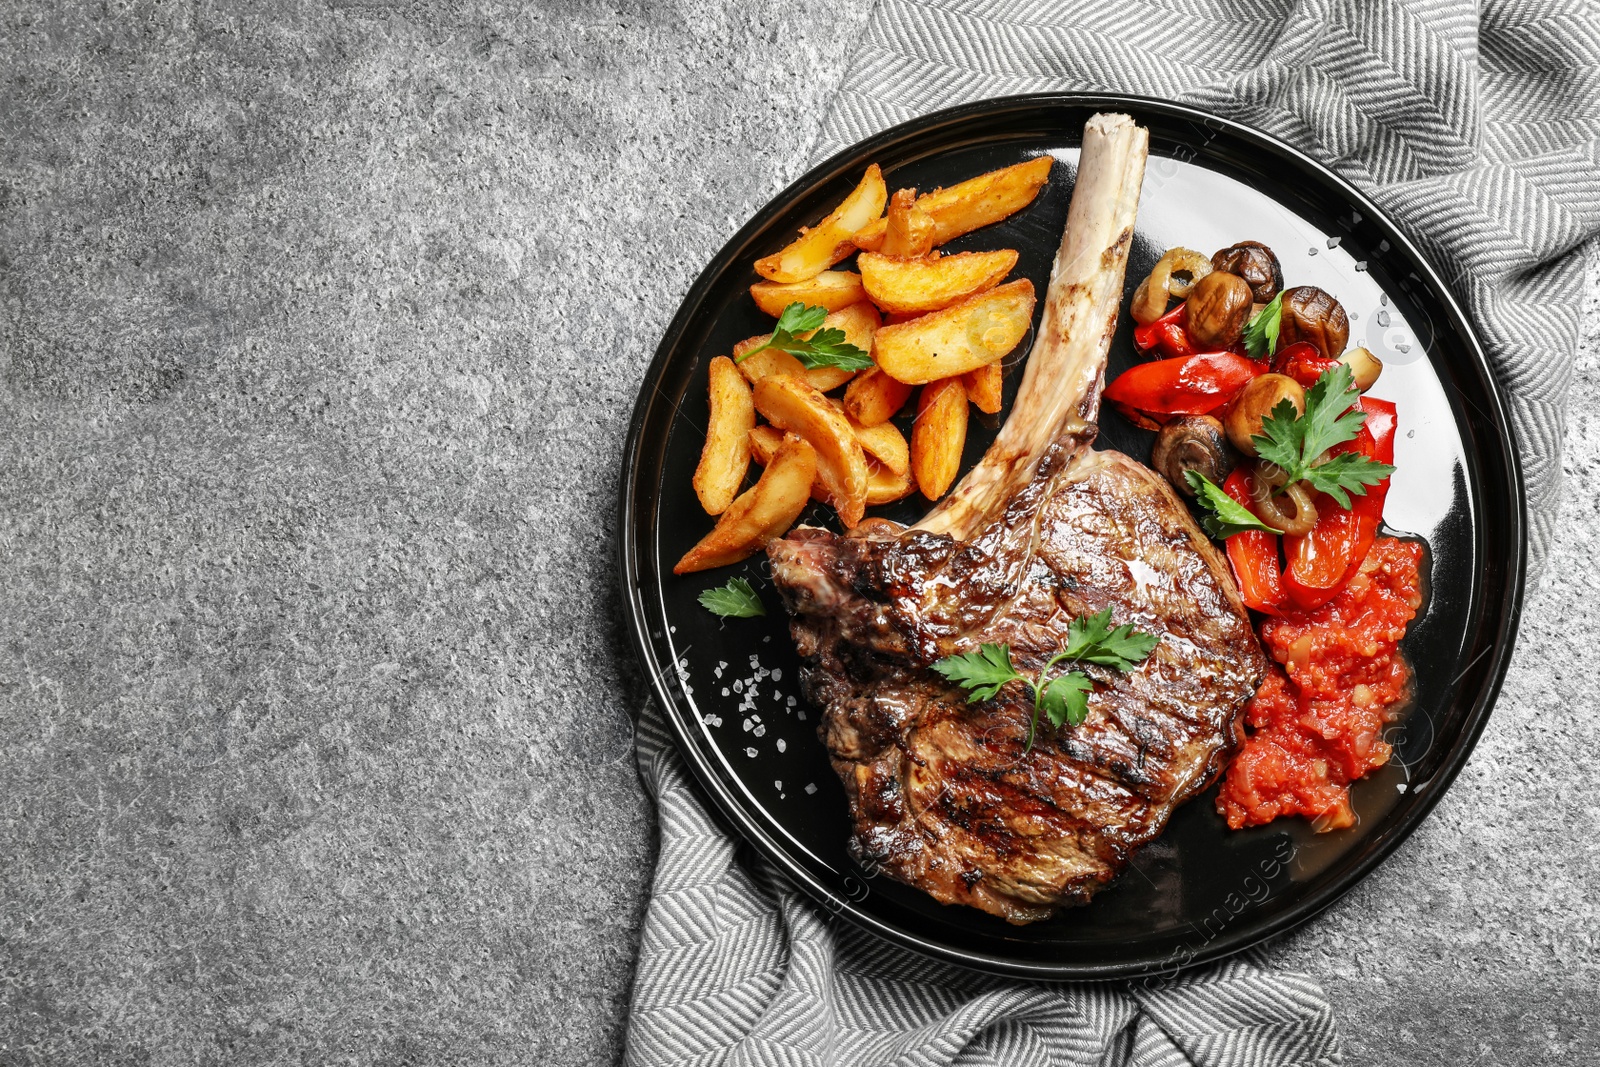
[
  {"x": 1255, "y": 402},
  {"x": 1313, "y": 315},
  {"x": 1193, "y": 442},
  {"x": 1218, "y": 308},
  {"x": 1256, "y": 264}
]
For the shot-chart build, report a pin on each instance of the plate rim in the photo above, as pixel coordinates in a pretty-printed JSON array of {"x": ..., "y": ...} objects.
[{"x": 707, "y": 779}]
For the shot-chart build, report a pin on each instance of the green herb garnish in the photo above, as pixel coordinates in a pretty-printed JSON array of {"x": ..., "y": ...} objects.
[
  {"x": 1261, "y": 332},
  {"x": 824, "y": 348},
  {"x": 1224, "y": 516},
  {"x": 1091, "y": 639},
  {"x": 1064, "y": 698},
  {"x": 735, "y": 600},
  {"x": 1296, "y": 442},
  {"x": 982, "y": 672}
]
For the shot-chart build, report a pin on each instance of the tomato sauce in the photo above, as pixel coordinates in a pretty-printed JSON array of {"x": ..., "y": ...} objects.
[{"x": 1316, "y": 724}]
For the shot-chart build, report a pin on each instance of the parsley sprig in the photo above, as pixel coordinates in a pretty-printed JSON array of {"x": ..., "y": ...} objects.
[
  {"x": 1224, "y": 516},
  {"x": 1064, "y": 698},
  {"x": 1296, "y": 442},
  {"x": 1261, "y": 332},
  {"x": 824, "y": 348},
  {"x": 735, "y": 600}
]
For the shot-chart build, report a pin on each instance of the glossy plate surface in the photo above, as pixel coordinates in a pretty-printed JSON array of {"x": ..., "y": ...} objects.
[{"x": 730, "y": 689}]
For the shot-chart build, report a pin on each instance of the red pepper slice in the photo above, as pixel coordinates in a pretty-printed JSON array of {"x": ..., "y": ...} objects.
[
  {"x": 1186, "y": 385},
  {"x": 1168, "y": 333},
  {"x": 1253, "y": 555},
  {"x": 1304, "y": 362},
  {"x": 1323, "y": 561}
]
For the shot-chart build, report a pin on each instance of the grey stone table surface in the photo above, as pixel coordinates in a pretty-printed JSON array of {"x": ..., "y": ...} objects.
[{"x": 321, "y": 327}]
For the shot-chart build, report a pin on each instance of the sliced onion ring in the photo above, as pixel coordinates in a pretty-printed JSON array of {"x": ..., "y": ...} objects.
[
  {"x": 1188, "y": 267},
  {"x": 1264, "y": 489},
  {"x": 1174, "y": 275}
]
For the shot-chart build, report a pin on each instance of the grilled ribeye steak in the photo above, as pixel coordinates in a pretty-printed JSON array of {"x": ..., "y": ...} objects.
[
  {"x": 1042, "y": 531},
  {"x": 941, "y": 793}
]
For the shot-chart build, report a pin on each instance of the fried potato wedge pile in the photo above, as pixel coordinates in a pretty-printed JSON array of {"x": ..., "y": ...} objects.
[
  {"x": 888, "y": 479},
  {"x": 821, "y": 423}
]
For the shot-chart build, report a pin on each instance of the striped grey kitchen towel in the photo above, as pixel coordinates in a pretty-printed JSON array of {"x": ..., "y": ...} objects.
[{"x": 1477, "y": 130}]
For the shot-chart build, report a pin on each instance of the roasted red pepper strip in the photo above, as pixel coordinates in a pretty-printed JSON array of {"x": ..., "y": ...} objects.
[
  {"x": 1187, "y": 385},
  {"x": 1303, "y": 362},
  {"x": 1238, "y": 348},
  {"x": 1169, "y": 333},
  {"x": 1253, "y": 555},
  {"x": 1324, "y": 560}
]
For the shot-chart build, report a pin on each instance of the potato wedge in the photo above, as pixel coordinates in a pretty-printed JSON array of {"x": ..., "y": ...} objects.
[
  {"x": 964, "y": 336},
  {"x": 764, "y": 511},
  {"x": 938, "y": 436},
  {"x": 913, "y": 286},
  {"x": 909, "y": 230},
  {"x": 765, "y": 362},
  {"x": 884, "y": 443},
  {"x": 832, "y": 289},
  {"x": 828, "y": 241},
  {"x": 726, "y": 455},
  {"x": 984, "y": 387},
  {"x": 884, "y": 486},
  {"x": 790, "y": 404},
  {"x": 764, "y": 442},
  {"x": 972, "y": 204},
  {"x": 859, "y": 323},
  {"x": 984, "y": 200},
  {"x": 826, "y": 379},
  {"x": 873, "y": 397}
]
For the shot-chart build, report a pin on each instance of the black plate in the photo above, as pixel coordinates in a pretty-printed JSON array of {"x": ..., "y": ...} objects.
[{"x": 1200, "y": 891}]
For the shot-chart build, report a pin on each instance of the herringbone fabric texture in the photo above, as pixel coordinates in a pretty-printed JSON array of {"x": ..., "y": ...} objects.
[{"x": 1478, "y": 132}]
